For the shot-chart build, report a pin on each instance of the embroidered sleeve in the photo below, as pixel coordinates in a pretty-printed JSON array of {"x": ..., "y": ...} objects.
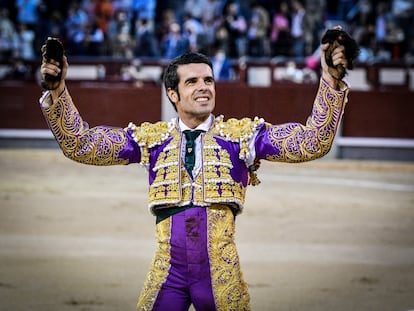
[
  {"x": 101, "y": 145},
  {"x": 295, "y": 142}
]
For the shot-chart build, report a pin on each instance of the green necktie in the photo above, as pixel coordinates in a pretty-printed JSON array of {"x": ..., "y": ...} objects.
[{"x": 190, "y": 149}]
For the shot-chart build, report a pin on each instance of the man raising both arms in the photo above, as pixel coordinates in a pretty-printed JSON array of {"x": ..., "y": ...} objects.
[{"x": 199, "y": 167}]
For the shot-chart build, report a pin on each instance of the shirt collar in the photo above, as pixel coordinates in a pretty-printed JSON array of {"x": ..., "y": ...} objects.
[{"x": 205, "y": 126}]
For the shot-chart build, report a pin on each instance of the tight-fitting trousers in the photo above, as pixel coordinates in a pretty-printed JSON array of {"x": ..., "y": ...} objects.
[{"x": 196, "y": 262}]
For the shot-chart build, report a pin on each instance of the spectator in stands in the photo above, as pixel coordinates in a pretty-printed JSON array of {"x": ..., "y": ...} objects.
[
  {"x": 94, "y": 40},
  {"x": 23, "y": 43},
  {"x": 120, "y": 20},
  {"x": 361, "y": 17},
  {"x": 403, "y": 11},
  {"x": 298, "y": 43},
  {"x": 194, "y": 8},
  {"x": 258, "y": 31},
  {"x": 174, "y": 44},
  {"x": 119, "y": 34},
  {"x": 222, "y": 68},
  {"x": 89, "y": 7},
  {"x": 42, "y": 28},
  {"x": 344, "y": 7},
  {"x": 215, "y": 23},
  {"x": 27, "y": 13},
  {"x": 7, "y": 33},
  {"x": 168, "y": 17},
  {"x": 366, "y": 44},
  {"x": 381, "y": 21},
  {"x": 236, "y": 26},
  {"x": 280, "y": 37},
  {"x": 56, "y": 27},
  {"x": 210, "y": 10},
  {"x": 193, "y": 31},
  {"x": 123, "y": 5},
  {"x": 221, "y": 39},
  {"x": 210, "y": 21},
  {"x": 144, "y": 9},
  {"x": 313, "y": 24},
  {"x": 123, "y": 44},
  {"x": 75, "y": 25},
  {"x": 145, "y": 41},
  {"x": 103, "y": 13}
]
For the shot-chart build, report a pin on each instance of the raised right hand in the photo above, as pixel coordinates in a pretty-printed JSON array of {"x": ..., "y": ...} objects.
[{"x": 51, "y": 67}]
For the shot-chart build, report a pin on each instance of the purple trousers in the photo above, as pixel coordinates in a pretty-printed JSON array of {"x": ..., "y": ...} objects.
[{"x": 196, "y": 262}]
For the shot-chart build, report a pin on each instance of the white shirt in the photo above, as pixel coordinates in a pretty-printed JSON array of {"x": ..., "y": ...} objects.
[{"x": 205, "y": 126}]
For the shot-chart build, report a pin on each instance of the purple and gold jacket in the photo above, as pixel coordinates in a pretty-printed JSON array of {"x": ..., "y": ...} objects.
[{"x": 227, "y": 167}]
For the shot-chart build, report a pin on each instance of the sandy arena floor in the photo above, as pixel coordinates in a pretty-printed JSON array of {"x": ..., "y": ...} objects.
[{"x": 321, "y": 236}]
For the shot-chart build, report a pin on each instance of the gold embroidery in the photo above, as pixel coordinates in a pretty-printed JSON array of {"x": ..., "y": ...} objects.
[
  {"x": 160, "y": 266},
  {"x": 219, "y": 186},
  {"x": 148, "y": 135},
  {"x": 172, "y": 186},
  {"x": 240, "y": 131},
  {"x": 165, "y": 189},
  {"x": 297, "y": 142},
  {"x": 229, "y": 289},
  {"x": 237, "y": 130},
  {"x": 100, "y": 145}
]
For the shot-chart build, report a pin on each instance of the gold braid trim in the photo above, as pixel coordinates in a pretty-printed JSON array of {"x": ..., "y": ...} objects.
[
  {"x": 148, "y": 135},
  {"x": 229, "y": 288},
  {"x": 167, "y": 188},
  {"x": 160, "y": 266},
  {"x": 216, "y": 183},
  {"x": 240, "y": 131}
]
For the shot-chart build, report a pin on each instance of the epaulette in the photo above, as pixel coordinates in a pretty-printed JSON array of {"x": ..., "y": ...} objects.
[
  {"x": 237, "y": 130},
  {"x": 148, "y": 135}
]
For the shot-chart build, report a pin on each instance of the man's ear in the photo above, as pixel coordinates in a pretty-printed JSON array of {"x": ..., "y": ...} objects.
[{"x": 172, "y": 95}]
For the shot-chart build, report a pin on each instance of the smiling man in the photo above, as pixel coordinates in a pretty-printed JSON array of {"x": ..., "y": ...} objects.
[
  {"x": 199, "y": 167},
  {"x": 194, "y": 97}
]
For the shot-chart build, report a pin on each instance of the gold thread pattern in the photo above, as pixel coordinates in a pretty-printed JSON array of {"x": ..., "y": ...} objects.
[
  {"x": 173, "y": 186},
  {"x": 229, "y": 288},
  {"x": 148, "y": 135},
  {"x": 237, "y": 130},
  {"x": 297, "y": 142},
  {"x": 166, "y": 187},
  {"x": 219, "y": 186},
  {"x": 240, "y": 131},
  {"x": 100, "y": 145},
  {"x": 159, "y": 268}
]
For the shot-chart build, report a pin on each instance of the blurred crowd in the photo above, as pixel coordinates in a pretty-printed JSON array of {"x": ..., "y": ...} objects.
[{"x": 221, "y": 28}]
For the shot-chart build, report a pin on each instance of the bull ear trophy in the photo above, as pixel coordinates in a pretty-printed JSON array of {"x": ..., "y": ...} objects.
[
  {"x": 336, "y": 37},
  {"x": 52, "y": 49}
]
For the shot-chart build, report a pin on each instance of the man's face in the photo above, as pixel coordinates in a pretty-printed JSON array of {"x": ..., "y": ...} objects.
[{"x": 197, "y": 94}]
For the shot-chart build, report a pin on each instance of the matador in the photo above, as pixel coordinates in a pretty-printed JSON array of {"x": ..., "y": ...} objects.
[{"x": 199, "y": 166}]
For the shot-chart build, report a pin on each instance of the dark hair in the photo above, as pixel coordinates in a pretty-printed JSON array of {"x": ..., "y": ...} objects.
[{"x": 171, "y": 78}]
